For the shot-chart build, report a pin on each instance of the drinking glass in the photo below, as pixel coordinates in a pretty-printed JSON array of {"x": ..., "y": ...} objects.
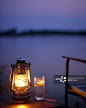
[{"x": 39, "y": 87}]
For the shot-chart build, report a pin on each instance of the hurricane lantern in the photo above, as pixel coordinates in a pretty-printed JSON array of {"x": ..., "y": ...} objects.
[{"x": 20, "y": 78}]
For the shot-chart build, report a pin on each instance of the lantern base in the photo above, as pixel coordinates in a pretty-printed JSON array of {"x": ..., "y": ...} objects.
[{"x": 21, "y": 96}]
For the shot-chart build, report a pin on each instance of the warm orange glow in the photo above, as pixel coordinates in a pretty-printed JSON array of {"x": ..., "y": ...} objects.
[
  {"x": 21, "y": 80},
  {"x": 38, "y": 82},
  {"x": 22, "y": 106},
  {"x": 28, "y": 71}
]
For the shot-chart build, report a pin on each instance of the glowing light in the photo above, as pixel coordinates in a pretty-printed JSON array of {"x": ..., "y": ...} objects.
[
  {"x": 21, "y": 80},
  {"x": 22, "y": 106},
  {"x": 39, "y": 82}
]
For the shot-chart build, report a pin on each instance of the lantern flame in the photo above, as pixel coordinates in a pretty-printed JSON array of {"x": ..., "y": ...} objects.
[{"x": 21, "y": 80}]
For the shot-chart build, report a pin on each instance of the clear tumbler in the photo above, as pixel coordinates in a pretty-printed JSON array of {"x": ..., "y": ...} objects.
[{"x": 39, "y": 87}]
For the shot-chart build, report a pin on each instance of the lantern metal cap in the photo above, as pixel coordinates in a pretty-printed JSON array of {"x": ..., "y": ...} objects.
[{"x": 21, "y": 60}]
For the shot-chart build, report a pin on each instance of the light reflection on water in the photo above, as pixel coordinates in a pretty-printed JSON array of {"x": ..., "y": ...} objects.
[{"x": 45, "y": 54}]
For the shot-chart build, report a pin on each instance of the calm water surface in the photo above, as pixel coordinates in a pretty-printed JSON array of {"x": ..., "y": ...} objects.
[{"x": 45, "y": 54}]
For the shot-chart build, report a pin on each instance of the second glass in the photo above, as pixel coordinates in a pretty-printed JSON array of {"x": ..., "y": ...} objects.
[{"x": 39, "y": 87}]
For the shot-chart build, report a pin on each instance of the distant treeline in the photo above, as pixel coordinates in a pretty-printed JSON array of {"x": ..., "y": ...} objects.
[{"x": 40, "y": 32}]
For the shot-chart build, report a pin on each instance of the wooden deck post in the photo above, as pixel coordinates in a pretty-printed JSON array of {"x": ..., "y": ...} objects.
[{"x": 66, "y": 84}]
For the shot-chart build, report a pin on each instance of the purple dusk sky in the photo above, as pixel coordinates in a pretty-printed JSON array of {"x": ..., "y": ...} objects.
[{"x": 43, "y": 14}]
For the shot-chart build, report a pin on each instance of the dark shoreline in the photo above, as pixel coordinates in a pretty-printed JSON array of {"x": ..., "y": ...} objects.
[{"x": 13, "y": 32}]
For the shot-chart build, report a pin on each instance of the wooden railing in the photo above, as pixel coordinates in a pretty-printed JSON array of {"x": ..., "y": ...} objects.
[{"x": 66, "y": 83}]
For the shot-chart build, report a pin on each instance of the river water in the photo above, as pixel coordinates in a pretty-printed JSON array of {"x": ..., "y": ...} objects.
[{"x": 45, "y": 55}]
